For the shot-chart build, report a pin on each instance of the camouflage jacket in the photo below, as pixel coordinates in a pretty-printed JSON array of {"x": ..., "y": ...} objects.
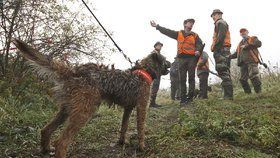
[
  {"x": 221, "y": 29},
  {"x": 248, "y": 54}
]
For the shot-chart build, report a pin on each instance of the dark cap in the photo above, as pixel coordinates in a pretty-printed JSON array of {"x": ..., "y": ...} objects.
[
  {"x": 243, "y": 30},
  {"x": 215, "y": 11},
  {"x": 189, "y": 20},
  {"x": 158, "y": 43}
]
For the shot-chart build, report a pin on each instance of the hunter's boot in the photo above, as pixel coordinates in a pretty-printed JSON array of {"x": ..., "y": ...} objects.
[
  {"x": 228, "y": 92},
  {"x": 246, "y": 87},
  {"x": 153, "y": 102},
  {"x": 203, "y": 86},
  {"x": 257, "y": 84},
  {"x": 173, "y": 91},
  {"x": 203, "y": 93}
]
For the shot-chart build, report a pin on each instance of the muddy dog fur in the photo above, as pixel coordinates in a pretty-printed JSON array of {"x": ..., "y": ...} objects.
[{"x": 80, "y": 90}]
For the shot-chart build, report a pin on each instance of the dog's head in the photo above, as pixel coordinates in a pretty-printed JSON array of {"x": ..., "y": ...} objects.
[{"x": 156, "y": 65}]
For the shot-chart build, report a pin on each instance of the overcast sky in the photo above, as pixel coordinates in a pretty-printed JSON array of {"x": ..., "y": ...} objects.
[{"x": 129, "y": 22}]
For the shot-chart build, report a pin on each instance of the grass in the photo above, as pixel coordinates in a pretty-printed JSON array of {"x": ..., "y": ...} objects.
[{"x": 249, "y": 126}]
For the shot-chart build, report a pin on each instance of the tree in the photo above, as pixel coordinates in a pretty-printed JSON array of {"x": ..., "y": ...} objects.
[{"x": 52, "y": 28}]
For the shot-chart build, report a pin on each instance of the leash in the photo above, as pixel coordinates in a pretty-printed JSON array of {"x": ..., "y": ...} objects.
[
  {"x": 120, "y": 50},
  {"x": 1, "y": 5}
]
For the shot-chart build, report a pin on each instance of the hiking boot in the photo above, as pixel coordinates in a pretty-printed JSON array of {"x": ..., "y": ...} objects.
[
  {"x": 257, "y": 84},
  {"x": 246, "y": 87},
  {"x": 185, "y": 103},
  {"x": 155, "y": 105},
  {"x": 258, "y": 89},
  {"x": 153, "y": 102},
  {"x": 178, "y": 98},
  {"x": 202, "y": 97},
  {"x": 228, "y": 92}
]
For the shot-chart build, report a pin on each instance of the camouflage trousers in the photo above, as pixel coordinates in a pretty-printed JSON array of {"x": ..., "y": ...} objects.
[
  {"x": 250, "y": 71},
  {"x": 223, "y": 66}
]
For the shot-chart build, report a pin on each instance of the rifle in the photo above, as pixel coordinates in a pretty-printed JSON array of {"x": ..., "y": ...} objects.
[
  {"x": 260, "y": 61},
  {"x": 202, "y": 48},
  {"x": 214, "y": 73},
  {"x": 259, "y": 57}
]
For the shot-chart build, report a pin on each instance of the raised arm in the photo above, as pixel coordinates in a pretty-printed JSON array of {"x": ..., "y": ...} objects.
[{"x": 168, "y": 32}]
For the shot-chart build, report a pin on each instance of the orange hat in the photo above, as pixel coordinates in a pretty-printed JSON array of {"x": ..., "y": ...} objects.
[{"x": 243, "y": 30}]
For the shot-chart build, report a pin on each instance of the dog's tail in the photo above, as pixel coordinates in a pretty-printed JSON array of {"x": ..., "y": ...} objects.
[{"x": 53, "y": 70}]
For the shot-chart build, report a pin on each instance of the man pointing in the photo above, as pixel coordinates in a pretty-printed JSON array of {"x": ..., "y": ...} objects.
[{"x": 188, "y": 46}]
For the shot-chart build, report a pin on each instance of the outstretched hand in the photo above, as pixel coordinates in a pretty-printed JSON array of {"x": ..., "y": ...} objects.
[{"x": 153, "y": 23}]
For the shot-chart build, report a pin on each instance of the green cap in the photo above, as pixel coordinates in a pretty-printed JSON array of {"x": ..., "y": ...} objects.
[
  {"x": 158, "y": 43},
  {"x": 215, "y": 11}
]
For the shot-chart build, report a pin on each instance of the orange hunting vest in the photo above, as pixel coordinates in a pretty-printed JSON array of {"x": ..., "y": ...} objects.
[
  {"x": 204, "y": 67},
  {"x": 227, "y": 42},
  {"x": 186, "y": 45},
  {"x": 254, "y": 55}
]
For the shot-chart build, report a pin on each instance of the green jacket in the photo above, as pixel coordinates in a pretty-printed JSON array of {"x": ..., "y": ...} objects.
[
  {"x": 174, "y": 34},
  {"x": 221, "y": 29},
  {"x": 248, "y": 54}
]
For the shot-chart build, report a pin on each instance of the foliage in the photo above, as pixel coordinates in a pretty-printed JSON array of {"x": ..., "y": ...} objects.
[
  {"x": 53, "y": 28},
  {"x": 245, "y": 127}
]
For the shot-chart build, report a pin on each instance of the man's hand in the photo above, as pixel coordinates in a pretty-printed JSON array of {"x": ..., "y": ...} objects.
[
  {"x": 213, "y": 49},
  {"x": 200, "y": 64},
  {"x": 153, "y": 23},
  {"x": 244, "y": 46},
  {"x": 197, "y": 53}
]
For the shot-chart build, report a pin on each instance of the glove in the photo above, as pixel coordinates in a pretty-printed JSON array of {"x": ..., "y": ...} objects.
[{"x": 200, "y": 64}]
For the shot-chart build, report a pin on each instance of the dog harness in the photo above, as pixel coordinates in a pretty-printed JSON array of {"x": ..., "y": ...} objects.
[{"x": 147, "y": 77}]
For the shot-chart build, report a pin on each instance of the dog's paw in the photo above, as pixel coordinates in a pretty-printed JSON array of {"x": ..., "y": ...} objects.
[
  {"x": 47, "y": 151},
  {"x": 123, "y": 142},
  {"x": 44, "y": 152},
  {"x": 142, "y": 147}
]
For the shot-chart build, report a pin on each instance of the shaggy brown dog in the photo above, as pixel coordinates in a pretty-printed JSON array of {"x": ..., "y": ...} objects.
[{"x": 80, "y": 90}]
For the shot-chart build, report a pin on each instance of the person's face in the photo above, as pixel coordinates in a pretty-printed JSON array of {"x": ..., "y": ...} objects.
[
  {"x": 216, "y": 16},
  {"x": 158, "y": 47},
  {"x": 188, "y": 26},
  {"x": 244, "y": 34}
]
